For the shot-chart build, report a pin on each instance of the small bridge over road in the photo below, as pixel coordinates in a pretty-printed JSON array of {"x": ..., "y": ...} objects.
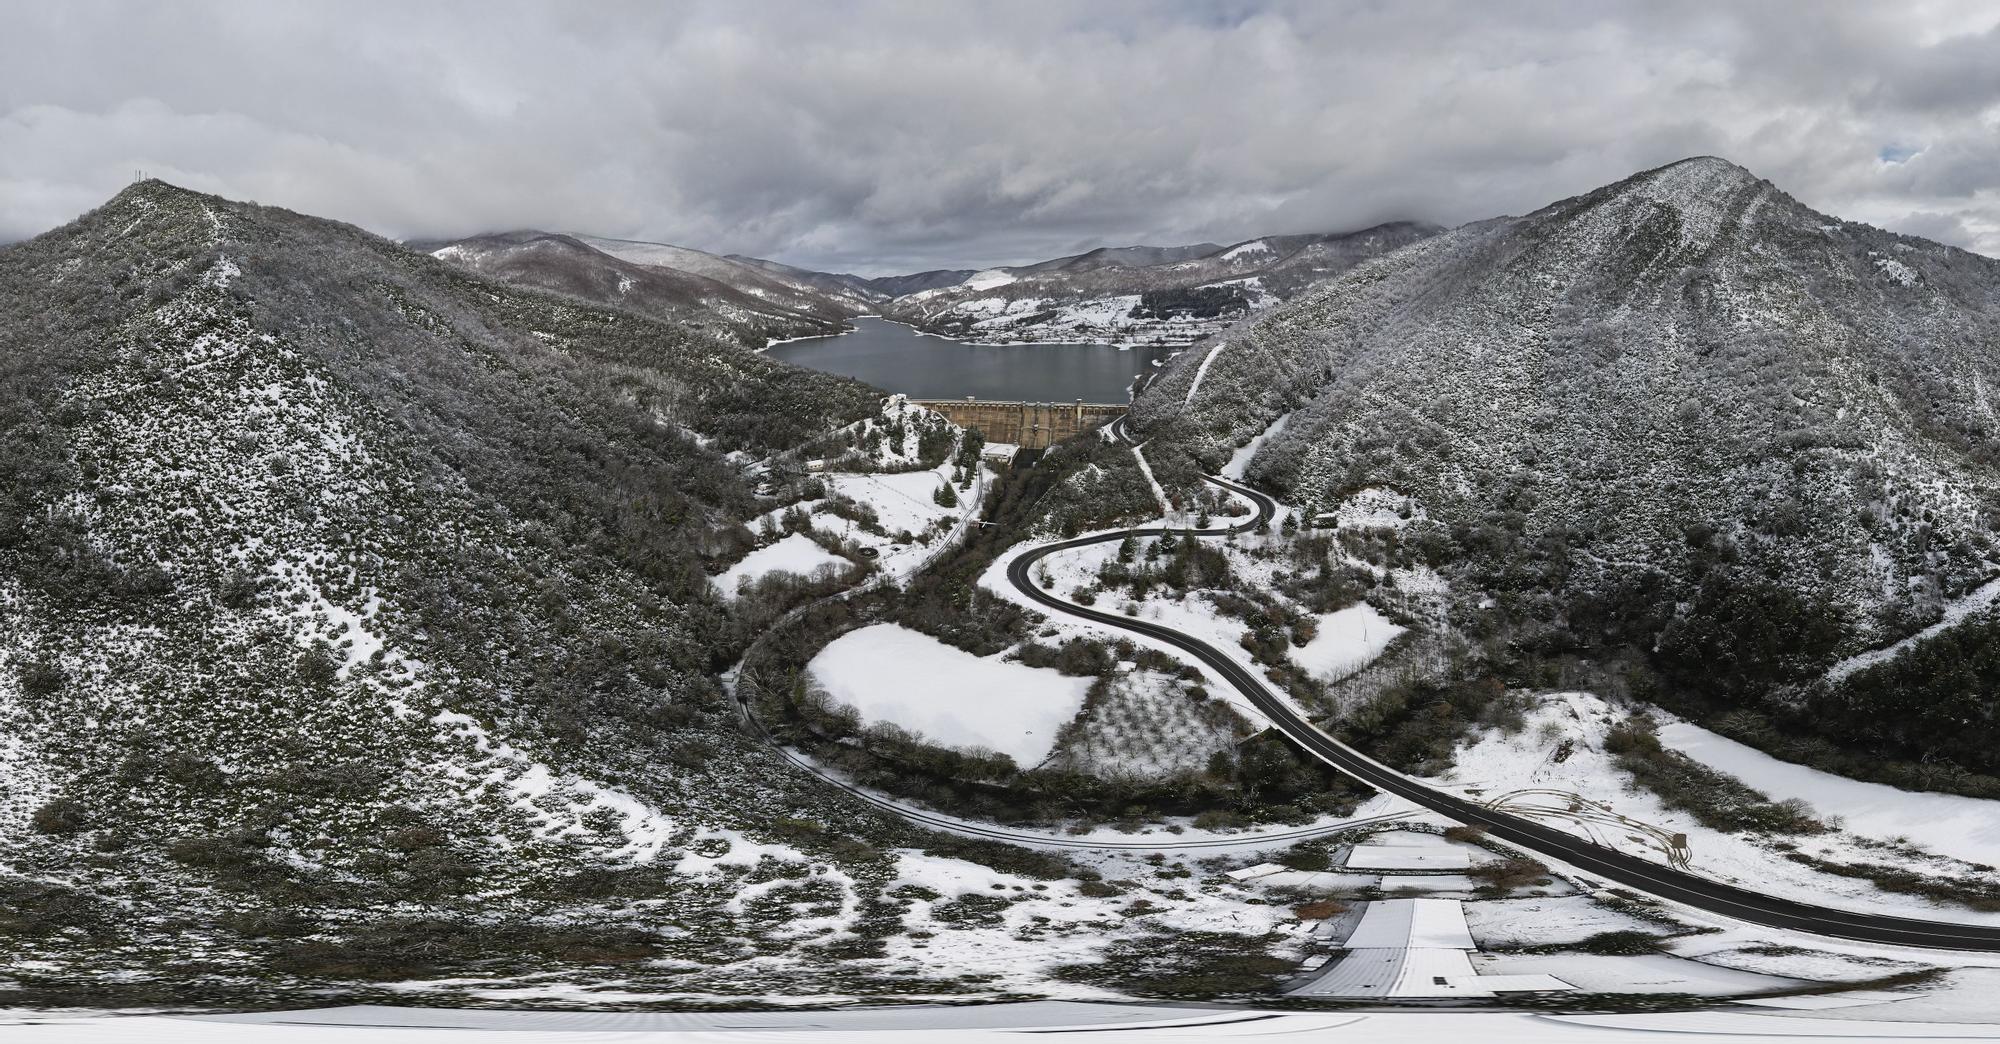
[{"x": 1029, "y": 425}]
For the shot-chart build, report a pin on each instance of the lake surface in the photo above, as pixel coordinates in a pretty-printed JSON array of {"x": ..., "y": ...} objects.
[{"x": 896, "y": 358}]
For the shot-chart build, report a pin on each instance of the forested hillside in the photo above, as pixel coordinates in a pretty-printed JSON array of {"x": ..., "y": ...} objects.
[
  {"x": 1683, "y": 415},
  {"x": 564, "y": 265},
  {"x": 355, "y": 613}
]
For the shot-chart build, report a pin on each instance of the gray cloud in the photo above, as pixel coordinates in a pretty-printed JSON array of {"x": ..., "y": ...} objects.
[{"x": 880, "y": 136}]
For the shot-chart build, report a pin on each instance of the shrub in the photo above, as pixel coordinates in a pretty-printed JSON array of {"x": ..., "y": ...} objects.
[
  {"x": 1508, "y": 874},
  {"x": 1717, "y": 800},
  {"x": 61, "y": 816},
  {"x": 1319, "y": 910},
  {"x": 1626, "y": 943},
  {"x": 1307, "y": 859},
  {"x": 42, "y": 678}
]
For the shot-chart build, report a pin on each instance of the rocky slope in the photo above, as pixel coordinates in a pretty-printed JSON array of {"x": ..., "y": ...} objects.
[
  {"x": 1683, "y": 413},
  {"x": 1143, "y": 294}
]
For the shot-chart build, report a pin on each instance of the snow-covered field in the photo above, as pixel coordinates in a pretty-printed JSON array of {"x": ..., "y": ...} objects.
[
  {"x": 1960, "y": 827},
  {"x": 1148, "y": 726},
  {"x": 795, "y": 554},
  {"x": 1526, "y": 772},
  {"x": 1647, "y": 973},
  {"x": 1542, "y": 920},
  {"x": 1346, "y": 641},
  {"x": 893, "y": 674},
  {"x": 1411, "y": 850},
  {"x": 1014, "y": 318}
]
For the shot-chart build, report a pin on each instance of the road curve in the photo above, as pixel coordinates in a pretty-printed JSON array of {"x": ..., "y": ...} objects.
[
  {"x": 1612, "y": 866},
  {"x": 1247, "y": 841},
  {"x": 1151, "y": 843},
  {"x": 1036, "y": 839}
]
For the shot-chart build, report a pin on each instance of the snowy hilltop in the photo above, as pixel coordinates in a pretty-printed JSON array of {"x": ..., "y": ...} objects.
[{"x": 1683, "y": 414}]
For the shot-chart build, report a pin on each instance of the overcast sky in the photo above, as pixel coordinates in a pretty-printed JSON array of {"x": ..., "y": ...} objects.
[{"x": 882, "y": 137}]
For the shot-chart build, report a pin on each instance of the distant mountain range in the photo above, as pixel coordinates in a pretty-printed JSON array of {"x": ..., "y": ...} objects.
[
  {"x": 727, "y": 299},
  {"x": 746, "y": 299},
  {"x": 873, "y": 289},
  {"x": 1153, "y": 294},
  {"x": 1143, "y": 294}
]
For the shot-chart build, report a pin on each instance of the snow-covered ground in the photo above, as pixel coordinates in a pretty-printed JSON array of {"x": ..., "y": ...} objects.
[
  {"x": 1960, "y": 827},
  {"x": 905, "y": 501},
  {"x": 1979, "y": 599},
  {"x": 891, "y": 483},
  {"x": 1346, "y": 641},
  {"x": 1240, "y": 460},
  {"x": 1411, "y": 850},
  {"x": 1967, "y": 998},
  {"x": 1149, "y": 725},
  {"x": 795, "y": 553},
  {"x": 1015, "y": 317},
  {"x": 1122, "y": 1025},
  {"x": 1376, "y": 508},
  {"x": 1647, "y": 973},
  {"x": 1527, "y": 773},
  {"x": 903, "y": 495},
  {"x": 1544, "y": 920},
  {"x": 893, "y": 674}
]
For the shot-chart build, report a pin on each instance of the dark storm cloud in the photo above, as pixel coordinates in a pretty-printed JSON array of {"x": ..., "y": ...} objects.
[{"x": 881, "y": 136}]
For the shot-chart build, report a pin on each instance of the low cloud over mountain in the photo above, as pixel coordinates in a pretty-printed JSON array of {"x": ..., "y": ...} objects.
[{"x": 891, "y": 137}]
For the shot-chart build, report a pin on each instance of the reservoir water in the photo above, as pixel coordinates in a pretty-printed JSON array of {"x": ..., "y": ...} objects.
[{"x": 895, "y": 358}]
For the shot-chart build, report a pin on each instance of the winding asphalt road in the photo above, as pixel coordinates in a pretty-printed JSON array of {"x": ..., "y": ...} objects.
[
  {"x": 1612, "y": 866},
  {"x": 1163, "y": 842}
]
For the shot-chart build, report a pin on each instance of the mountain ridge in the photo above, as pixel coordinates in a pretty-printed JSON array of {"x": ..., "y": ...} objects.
[
  {"x": 1178, "y": 296},
  {"x": 1682, "y": 410},
  {"x": 566, "y": 264}
]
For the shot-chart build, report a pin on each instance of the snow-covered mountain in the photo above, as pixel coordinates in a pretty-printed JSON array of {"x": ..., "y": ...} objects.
[
  {"x": 566, "y": 265},
  {"x": 915, "y": 282},
  {"x": 872, "y": 291},
  {"x": 792, "y": 288},
  {"x": 1115, "y": 257},
  {"x": 1143, "y": 294},
  {"x": 364, "y": 626},
  {"x": 1683, "y": 413},
  {"x": 350, "y": 603}
]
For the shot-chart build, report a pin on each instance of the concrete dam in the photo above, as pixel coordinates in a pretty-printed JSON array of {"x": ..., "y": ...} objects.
[{"x": 1029, "y": 425}]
